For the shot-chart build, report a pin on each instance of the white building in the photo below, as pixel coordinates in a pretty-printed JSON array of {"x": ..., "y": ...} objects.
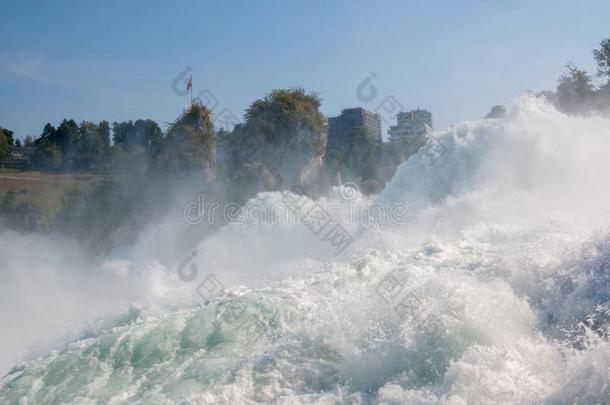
[{"x": 411, "y": 125}]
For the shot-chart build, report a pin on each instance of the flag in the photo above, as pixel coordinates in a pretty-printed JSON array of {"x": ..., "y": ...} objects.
[{"x": 189, "y": 84}]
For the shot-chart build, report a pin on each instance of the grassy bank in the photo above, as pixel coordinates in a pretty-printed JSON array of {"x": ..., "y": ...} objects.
[{"x": 44, "y": 192}]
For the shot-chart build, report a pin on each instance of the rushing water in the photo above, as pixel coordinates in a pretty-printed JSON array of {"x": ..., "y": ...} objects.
[{"x": 496, "y": 290}]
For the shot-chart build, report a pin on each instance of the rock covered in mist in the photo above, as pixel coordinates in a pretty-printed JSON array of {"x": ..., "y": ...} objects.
[
  {"x": 191, "y": 144},
  {"x": 281, "y": 144}
]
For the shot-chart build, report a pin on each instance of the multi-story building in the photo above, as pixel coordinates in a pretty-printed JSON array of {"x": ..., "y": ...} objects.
[
  {"x": 339, "y": 127},
  {"x": 411, "y": 125}
]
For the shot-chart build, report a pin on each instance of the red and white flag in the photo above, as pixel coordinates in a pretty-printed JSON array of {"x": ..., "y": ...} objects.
[{"x": 189, "y": 84}]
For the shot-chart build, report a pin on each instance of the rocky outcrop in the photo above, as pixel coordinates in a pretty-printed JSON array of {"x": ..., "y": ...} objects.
[
  {"x": 282, "y": 139},
  {"x": 191, "y": 144}
]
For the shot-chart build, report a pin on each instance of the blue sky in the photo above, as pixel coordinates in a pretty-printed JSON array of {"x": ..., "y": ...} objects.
[{"x": 116, "y": 60}]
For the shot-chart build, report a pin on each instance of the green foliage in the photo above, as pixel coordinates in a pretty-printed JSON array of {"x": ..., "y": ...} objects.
[
  {"x": 47, "y": 157},
  {"x": 282, "y": 112},
  {"x": 119, "y": 159},
  {"x": 6, "y": 143},
  {"x": 87, "y": 147},
  {"x": 357, "y": 156},
  {"x": 139, "y": 142},
  {"x": 191, "y": 142},
  {"x": 602, "y": 58},
  {"x": 91, "y": 149},
  {"x": 574, "y": 90},
  {"x": 138, "y": 136}
]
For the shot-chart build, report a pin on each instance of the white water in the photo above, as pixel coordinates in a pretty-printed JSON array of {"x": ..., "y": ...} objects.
[{"x": 504, "y": 281}]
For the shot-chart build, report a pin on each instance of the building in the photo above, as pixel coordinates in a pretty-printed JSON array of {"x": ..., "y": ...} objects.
[
  {"x": 406, "y": 139},
  {"x": 339, "y": 127},
  {"x": 411, "y": 125}
]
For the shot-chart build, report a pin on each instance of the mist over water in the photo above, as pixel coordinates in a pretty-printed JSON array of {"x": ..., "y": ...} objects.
[{"x": 497, "y": 291}]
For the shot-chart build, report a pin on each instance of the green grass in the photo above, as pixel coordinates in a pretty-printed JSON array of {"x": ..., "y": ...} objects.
[{"x": 43, "y": 191}]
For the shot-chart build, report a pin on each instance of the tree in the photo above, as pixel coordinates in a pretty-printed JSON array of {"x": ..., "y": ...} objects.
[
  {"x": 602, "y": 57},
  {"x": 90, "y": 148},
  {"x": 67, "y": 137},
  {"x": 5, "y": 147},
  {"x": 140, "y": 140},
  {"x": 119, "y": 160},
  {"x": 47, "y": 136},
  {"x": 9, "y": 135},
  {"x": 6, "y": 143},
  {"x": 104, "y": 132},
  {"x": 283, "y": 112},
  {"x": 498, "y": 111},
  {"x": 284, "y": 131},
  {"x": 148, "y": 136},
  {"x": 47, "y": 157},
  {"x": 28, "y": 141},
  {"x": 122, "y": 133},
  {"x": 357, "y": 156},
  {"x": 574, "y": 90},
  {"x": 190, "y": 144}
]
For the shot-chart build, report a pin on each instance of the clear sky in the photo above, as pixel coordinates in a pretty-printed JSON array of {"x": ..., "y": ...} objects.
[{"x": 116, "y": 60}]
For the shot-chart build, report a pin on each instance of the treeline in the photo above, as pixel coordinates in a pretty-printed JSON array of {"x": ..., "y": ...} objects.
[
  {"x": 280, "y": 144},
  {"x": 87, "y": 146},
  {"x": 576, "y": 92},
  {"x": 7, "y": 142}
]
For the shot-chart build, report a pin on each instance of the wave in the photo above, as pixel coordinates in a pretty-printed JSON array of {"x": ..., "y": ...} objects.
[{"x": 497, "y": 290}]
